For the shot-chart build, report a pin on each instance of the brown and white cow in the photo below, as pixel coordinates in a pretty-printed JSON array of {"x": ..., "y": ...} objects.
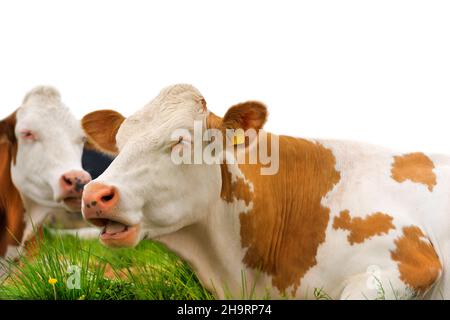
[
  {"x": 351, "y": 220},
  {"x": 41, "y": 145}
]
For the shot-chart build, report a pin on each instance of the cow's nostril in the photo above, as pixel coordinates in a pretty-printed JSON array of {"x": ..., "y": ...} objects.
[
  {"x": 107, "y": 197},
  {"x": 99, "y": 197},
  {"x": 67, "y": 181}
]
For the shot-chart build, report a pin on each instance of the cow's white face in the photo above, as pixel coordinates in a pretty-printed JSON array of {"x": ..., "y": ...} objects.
[
  {"x": 143, "y": 192},
  {"x": 47, "y": 167},
  {"x": 154, "y": 195}
]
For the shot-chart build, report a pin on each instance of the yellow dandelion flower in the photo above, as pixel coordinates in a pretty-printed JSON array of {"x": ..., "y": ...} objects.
[{"x": 52, "y": 281}]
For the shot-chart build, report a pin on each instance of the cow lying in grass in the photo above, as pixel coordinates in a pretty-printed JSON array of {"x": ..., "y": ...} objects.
[
  {"x": 351, "y": 220},
  {"x": 41, "y": 145}
]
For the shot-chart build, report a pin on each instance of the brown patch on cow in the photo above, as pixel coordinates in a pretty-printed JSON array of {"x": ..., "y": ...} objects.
[
  {"x": 237, "y": 190},
  {"x": 377, "y": 223},
  {"x": 416, "y": 167},
  {"x": 287, "y": 223},
  {"x": 11, "y": 207},
  {"x": 418, "y": 262},
  {"x": 101, "y": 127},
  {"x": 7, "y": 135}
]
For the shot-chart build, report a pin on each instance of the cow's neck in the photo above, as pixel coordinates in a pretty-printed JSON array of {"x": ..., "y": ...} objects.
[
  {"x": 252, "y": 226},
  {"x": 34, "y": 216},
  {"x": 211, "y": 247}
]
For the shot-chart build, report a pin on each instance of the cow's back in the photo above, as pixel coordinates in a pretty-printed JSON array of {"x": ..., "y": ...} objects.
[{"x": 386, "y": 215}]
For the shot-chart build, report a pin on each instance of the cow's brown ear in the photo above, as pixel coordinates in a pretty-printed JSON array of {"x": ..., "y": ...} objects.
[
  {"x": 246, "y": 115},
  {"x": 7, "y": 127},
  {"x": 213, "y": 121},
  {"x": 101, "y": 128}
]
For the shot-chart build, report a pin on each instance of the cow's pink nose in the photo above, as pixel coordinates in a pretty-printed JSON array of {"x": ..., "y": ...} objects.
[
  {"x": 73, "y": 182},
  {"x": 99, "y": 200}
]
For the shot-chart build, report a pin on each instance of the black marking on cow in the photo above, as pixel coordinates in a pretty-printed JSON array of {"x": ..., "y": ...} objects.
[{"x": 95, "y": 162}]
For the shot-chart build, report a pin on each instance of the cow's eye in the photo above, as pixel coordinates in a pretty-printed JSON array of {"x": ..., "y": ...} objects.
[
  {"x": 184, "y": 140},
  {"x": 28, "y": 135},
  {"x": 180, "y": 142}
]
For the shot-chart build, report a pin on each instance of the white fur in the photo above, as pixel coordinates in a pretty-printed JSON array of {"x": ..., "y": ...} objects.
[
  {"x": 171, "y": 196},
  {"x": 40, "y": 164}
]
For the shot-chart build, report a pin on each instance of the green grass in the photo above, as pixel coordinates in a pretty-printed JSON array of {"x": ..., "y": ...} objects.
[{"x": 148, "y": 271}]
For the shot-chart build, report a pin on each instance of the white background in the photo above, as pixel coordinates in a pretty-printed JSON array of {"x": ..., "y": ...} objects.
[{"x": 375, "y": 71}]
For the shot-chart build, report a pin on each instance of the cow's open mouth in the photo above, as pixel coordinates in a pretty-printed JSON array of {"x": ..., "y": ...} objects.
[
  {"x": 114, "y": 230},
  {"x": 115, "y": 233}
]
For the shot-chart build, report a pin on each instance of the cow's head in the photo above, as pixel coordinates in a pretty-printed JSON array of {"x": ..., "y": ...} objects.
[
  {"x": 143, "y": 192},
  {"x": 46, "y": 143}
]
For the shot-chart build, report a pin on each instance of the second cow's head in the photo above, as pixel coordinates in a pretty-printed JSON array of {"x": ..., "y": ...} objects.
[
  {"x": 143, "y": 192},
  {"x": 45, "y": 144}
]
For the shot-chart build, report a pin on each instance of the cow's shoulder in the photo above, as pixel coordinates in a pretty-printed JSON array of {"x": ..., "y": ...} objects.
[{"x": 284, "y": 207}]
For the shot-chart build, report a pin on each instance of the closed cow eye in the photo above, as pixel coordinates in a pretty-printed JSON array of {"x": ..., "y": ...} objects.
[
  {"x": 180, "y": 142},
  {"x": 183, "y": 140},
  {"x": 28, "y": 135},
  {"x": 186, "y": 140}
]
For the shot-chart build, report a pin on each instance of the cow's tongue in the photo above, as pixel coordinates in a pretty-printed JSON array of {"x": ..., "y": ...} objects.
[{"x": 113, "y": 227}]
